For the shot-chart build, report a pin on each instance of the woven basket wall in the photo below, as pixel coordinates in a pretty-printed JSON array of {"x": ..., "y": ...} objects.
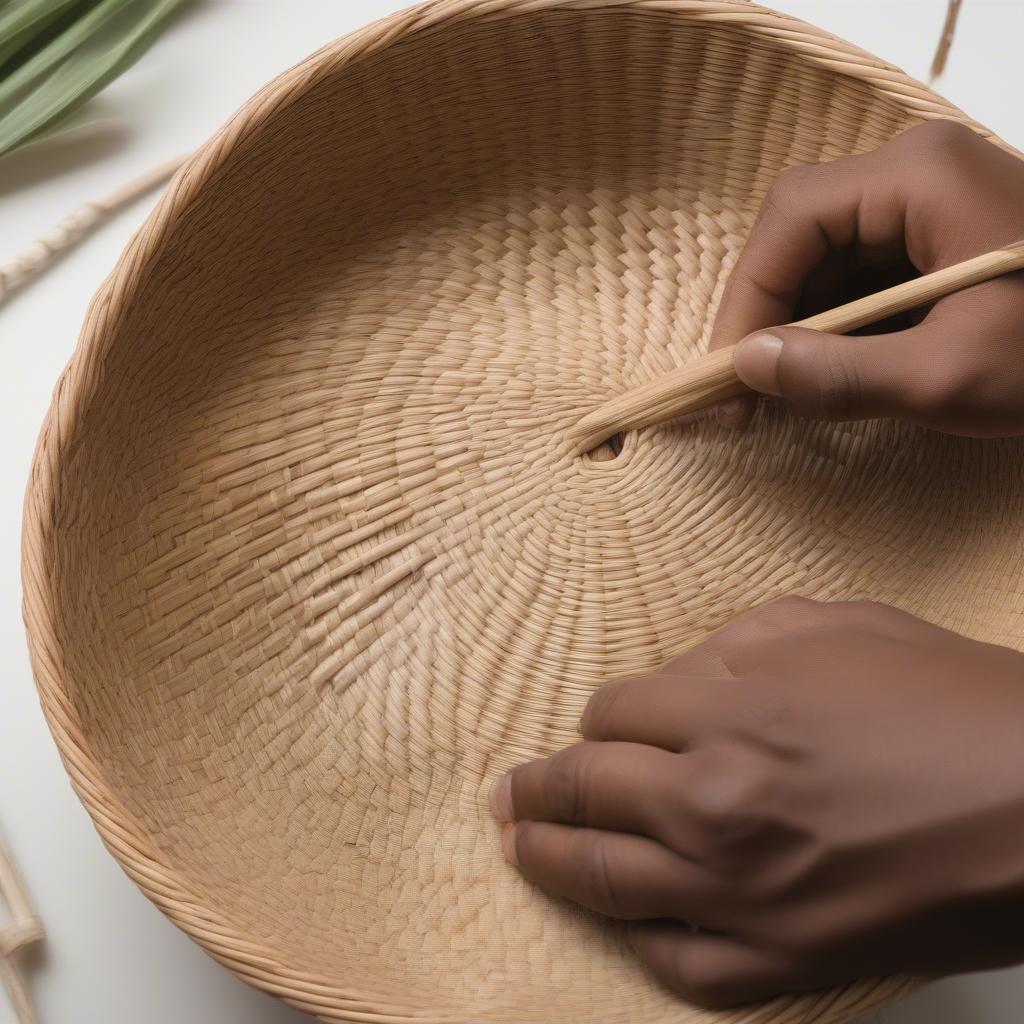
[{"x": 308, "y": 559}]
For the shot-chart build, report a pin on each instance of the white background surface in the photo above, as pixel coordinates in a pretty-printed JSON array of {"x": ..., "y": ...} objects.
[{"x": 110, "y": 957}]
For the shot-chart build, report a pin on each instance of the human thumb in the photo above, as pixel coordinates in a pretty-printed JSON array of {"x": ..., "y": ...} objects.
[{"x": 824, "y": 376}]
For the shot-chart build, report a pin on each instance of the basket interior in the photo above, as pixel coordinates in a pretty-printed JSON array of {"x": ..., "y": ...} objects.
[{"x": 324, "y": 561}]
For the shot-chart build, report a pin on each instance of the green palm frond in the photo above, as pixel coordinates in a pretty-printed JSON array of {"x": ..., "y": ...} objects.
[
  {"x": 57, "y": 54},
  {"x": 21, "y": 21}
]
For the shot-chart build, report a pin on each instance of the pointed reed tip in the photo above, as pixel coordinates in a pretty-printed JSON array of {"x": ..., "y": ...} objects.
[{"x": 587, "y": 433}]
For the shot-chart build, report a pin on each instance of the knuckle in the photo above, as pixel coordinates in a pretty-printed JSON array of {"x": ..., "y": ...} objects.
[
  {"x": 801, "y": 939},
  {"x": 792, "y": 180},
  {"x": 594, "y": 874},
  {"x": 528, "y": 836},
  {"x": 791, "y": 604},
  {"x": 784, "y": 191},
  {"x": 713, "y": 992},
  {"x": 950, "y": 387},
  {"x": 927, "y": 395},
  {"x": 866, "y": 605},
  {"x": 943, "y": 151},
  {"x": 941, "y": 136},
  {"x": 729, "y": 804},
  {"x": 565, "y": 782},
  {"x": 767, "y": 622},
  {"x": 601, "y": 709},
  {"x": 790, "y": 612},
  {"x": 869, "y": 612},
  {"x": 838, "y": 394},
  {"x": 699, "y": 981}
]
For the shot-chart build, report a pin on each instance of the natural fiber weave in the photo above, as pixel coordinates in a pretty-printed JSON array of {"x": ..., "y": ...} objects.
[{"x": 308, "y": 557}]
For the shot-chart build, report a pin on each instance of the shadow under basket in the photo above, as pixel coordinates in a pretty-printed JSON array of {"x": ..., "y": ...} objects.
[{"x": 309, "y": 559}]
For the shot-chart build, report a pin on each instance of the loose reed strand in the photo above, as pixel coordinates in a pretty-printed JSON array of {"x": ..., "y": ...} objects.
[
  {"x": 945, "y": 44},
  {"x": 82, "y": 221},
  {"x": 22, "y": 928}
]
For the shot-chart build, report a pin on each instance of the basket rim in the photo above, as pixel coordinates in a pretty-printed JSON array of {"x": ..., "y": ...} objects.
[{"x": 158, "y": 879}]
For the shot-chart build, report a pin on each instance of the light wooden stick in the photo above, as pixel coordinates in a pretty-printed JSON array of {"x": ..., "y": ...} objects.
[
  {"x": 712, "y": 379},
  {"x": 23, "y": 928}
]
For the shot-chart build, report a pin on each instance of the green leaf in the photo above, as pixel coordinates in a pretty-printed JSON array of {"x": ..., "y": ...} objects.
[
  {"x": 91, "y": 51},
  {"x": 49, "y": 58},
  {"x": 21, "y": 21}
]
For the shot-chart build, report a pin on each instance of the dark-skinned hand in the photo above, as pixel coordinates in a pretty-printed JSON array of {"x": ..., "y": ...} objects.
[
  {"x": 934, "y": 196},
  {"x": 821, "y": 792},
  {"x": 824, "y": 791}
]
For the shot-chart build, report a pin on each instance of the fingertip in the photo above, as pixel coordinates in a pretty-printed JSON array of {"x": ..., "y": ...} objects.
[
  {"x": 508, "y": 843},
  {"x": 756, "y": 362},
  {"x": 588, "y": 723},
  {"x": 501, "y": 799}
]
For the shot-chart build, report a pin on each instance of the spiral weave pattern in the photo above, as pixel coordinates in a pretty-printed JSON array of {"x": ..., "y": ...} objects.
[{"x": 309, "y": 557}]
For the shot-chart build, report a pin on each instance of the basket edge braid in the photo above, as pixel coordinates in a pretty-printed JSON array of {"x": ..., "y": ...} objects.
[{"x": 123, "y": 838}]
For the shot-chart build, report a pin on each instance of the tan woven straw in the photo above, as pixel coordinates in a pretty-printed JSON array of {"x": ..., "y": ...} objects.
[{"x": 308, "y": 557}]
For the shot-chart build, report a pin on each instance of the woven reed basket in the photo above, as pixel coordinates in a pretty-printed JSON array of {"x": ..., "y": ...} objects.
[{"x": 308, "y": 557}]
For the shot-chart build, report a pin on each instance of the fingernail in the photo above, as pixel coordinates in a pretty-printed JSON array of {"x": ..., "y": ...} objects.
[
  {"x": 508, "y": 843},
  {"x": 756, "y": 362},
  {"x": 501, "y": 799}
]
